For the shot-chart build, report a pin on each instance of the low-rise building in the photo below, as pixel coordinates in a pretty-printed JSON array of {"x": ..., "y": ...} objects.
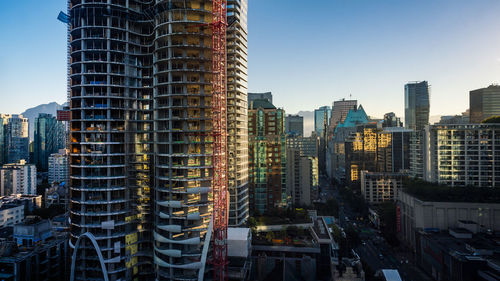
[
  {"x": 380, "y": 187},
  {"x": 18, "y": 178},
  {"x": 11, "y": 214},
  {"x": 421, "y": 212},
  {"x": 295, "y": 252},
  {"x": 458, "y": 255},
  {"x": 239, "y": 251},
  {"x": 30, "y": 202},
  {"x": 35, "y": 254}
]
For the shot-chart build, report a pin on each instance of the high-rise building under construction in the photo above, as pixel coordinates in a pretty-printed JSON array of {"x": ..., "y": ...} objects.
[{"x": 141, "y": 143}]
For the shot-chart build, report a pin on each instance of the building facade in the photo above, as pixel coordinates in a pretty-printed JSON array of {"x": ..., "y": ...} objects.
[
  {"x": 484, "y": 103},
  {"x": 340, "y": 109},
  {"x": 140, "y": 146},
  {"x": 18, "y": 178},
  {"x": 260, "y": 96},
  {"x": 58, "y": 167},
  {"x": 237, "y": 111},
  {"x": 11, "y": 214},
  {"x": 15, "y": 138},
  {"x": 462, "y": 154},
  {"x": 294, "y": 125},
  {"x": 267, "y": 155},
  {"x": 415, "y": 214},
  {"x": 417, "y": 105},
  {"x": 302, "y": 178},
  {"x": 35, "y": 254},
  {"x": 391, "y": 120},
  {"x": 49, "y": 137},
  {"x": 322, "y": 118},
  {"x": 380, "y": 187}
]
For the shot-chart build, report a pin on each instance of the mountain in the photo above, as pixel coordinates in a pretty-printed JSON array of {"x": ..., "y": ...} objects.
[
  {"x": 33, "y": 112},
  {"x": 308, "y": 122}
]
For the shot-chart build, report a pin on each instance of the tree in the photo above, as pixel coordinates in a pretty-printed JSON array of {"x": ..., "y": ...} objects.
[
  {"x": 492, "y": 120},
  {"x": 270, "y": 236},
  {"x": 387, "y": 213}
]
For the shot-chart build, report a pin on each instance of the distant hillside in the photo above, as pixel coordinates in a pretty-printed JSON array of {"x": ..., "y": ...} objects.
[
  {"x": 308, "y": 121},
  {"x": 32, "y": 113}
]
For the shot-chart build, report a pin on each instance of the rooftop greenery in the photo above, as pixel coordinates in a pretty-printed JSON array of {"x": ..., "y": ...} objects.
[
  {"x": 427, "y": 191},
  {"x": 492, "y": 120}
]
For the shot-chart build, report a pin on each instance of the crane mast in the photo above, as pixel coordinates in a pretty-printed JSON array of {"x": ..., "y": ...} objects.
[{"x": 219, "y": 123}]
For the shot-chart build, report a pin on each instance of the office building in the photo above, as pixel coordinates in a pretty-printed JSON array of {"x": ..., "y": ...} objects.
[
  {"x": 400, "y": 147},
  {"x": 462, "y": 154},
  {"x": 367, "y": 149},
  {"x": 237, "y": 111},
  {"x": 260, "y": 96},
  {"x": 58, "y": 167},
  {"x": 340, "y": 109},
  {"x": 30, "y": 202},
  {"x": 417, "y": 105},
  {"x": 307, "y": 146},
  {"x": 322, "y": 117},
  {"x": 267, "y": 156},
  {"x": 484, "y": 103},
  {"x": 15, "y": 140},
  {"x": 391, "y": 120},
  {"x": 49, "y": 137},
  {"x": 294, "y": 125},
  {"x": 140, "y": 145},
  {"x": 380, "y": 187},
  {"x": 376, "y": 149},
  {"x": 18, "y": 178},
  {"x": 302, "y": 178},
  {"x": 335, "y": 153},
  {"x": 35, "y": 254}
]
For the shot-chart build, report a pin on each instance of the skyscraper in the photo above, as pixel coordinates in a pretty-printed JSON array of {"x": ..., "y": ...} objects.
[
  {"x": 140, "y": 146},
  {"x": 237, "y": 111},
  {"x": 340, "y": 109},
  {"x": 267, "y": 156},
  {"x": 322, "y": 117},
  {"x": 417, "y": 108},
  {"x": 417, "y": 105},
  {"x": 484, "y": 103},
  {"x": 294, "y": 125},
  {"x": 49, "y": 137},
  {"x": 15, "y": 140}
]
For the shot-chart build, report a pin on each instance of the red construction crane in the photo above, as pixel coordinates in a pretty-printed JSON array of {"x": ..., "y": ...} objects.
[{"x": 219, "y": 123}]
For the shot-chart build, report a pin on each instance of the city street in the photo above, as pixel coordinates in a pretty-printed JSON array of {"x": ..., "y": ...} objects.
[{"x": 374, "y": 250}]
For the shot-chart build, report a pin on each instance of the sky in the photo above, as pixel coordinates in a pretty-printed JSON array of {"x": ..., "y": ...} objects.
[{"x": 308, "y": 53}]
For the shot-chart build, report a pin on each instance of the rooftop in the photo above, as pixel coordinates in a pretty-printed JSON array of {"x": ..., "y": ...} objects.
[
  {"x": 427, "y": 191},
  {"x": 261, "y": 103}
]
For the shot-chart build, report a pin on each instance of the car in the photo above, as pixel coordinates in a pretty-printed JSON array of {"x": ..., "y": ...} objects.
[
  {"x": 380, "y": 256},
  {"x": 364, "y": 243}
]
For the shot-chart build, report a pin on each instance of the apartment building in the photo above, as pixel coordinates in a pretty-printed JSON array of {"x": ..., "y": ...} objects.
[
  {"x": 18, "y": 178},
  {"x": 58, "y": 167},
  {"x": 267, "y": 156},
  {"x": 140, "y": 146},
  {"x": 462, "y": 154}
]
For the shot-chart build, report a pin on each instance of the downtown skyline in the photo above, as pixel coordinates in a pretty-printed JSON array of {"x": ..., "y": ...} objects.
[{"x": 367, "y": 50}]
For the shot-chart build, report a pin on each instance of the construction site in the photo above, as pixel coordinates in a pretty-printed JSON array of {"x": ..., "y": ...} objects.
[{"x": 158, "y": 147}]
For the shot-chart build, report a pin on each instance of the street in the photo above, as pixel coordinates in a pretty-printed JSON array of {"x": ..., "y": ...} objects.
[{"x": 374, "y": 250}]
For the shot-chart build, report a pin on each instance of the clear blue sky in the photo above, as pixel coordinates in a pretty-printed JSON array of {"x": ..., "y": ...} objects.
[{"x": 308, "y": 53}]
